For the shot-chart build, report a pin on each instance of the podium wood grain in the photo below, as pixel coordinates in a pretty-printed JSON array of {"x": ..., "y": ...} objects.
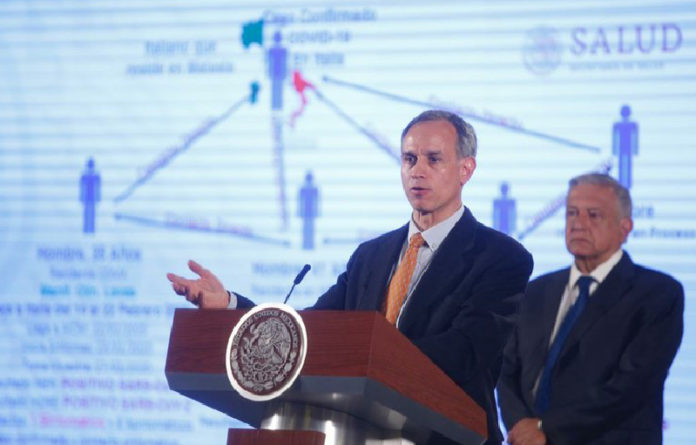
[{"x": 340, "y": 344}]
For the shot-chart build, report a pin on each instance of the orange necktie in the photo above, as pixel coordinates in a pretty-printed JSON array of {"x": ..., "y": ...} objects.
[{"x": 398, "y": 286}]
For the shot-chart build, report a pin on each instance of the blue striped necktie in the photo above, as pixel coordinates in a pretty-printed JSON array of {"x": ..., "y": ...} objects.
[{"x": 543, "y": 395}]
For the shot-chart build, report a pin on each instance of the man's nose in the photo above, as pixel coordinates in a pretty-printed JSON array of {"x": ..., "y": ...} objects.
[
  {"x": 418, "y": 168},
  {"x": 579, "y": 221}
]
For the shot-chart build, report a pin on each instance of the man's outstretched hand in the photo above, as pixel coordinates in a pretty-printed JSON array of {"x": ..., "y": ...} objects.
[{"x": 206, "y": 292}]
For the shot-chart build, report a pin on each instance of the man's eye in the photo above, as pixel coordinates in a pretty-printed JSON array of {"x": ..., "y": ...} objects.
[{"x": 409, "y": 159}]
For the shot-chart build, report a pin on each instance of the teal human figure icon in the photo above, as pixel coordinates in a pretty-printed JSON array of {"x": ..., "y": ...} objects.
[
  {"x": 625, "y": 145},
  {"x": 504, "y": 211},
  {"x": 277, "y": 59},
  {"x": 308, "y": 210},
  {"x": 253, "y": 92},
  {"x": 90, "y": 195}
]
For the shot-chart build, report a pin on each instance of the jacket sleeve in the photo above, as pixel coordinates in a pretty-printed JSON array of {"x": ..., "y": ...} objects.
[
  {"x": 335, "y": 297},
  {"x": 243, "y": 302},
  {"x": 512, "y": 405}
]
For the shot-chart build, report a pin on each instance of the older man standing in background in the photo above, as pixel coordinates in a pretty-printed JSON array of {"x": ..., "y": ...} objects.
[{"x": 589, "y": 357}]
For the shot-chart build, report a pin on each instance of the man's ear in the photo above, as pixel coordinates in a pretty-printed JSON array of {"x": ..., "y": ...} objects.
[
  {"x": 625, "y": 225},
  {"x": 467, "y": 165}
]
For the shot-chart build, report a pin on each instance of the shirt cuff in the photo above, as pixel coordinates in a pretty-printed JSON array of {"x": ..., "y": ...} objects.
[{"x": 233, "y": 300}]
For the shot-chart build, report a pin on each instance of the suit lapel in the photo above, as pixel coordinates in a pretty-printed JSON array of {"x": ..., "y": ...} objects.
[
  {"x": 614, "y": 286},
  {"x": 450, "y": 262},
  {"x": 385, "y": 257},
  {"x": 552, "y": 300},
  {"x": 541, "y": 331}
]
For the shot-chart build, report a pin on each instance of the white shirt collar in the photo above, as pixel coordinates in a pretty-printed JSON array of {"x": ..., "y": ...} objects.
[
  {"x": 437, "y": 233},
  {"x": 599, "y": 273}
]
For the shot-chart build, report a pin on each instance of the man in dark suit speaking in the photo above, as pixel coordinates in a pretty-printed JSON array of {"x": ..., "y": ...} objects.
[
  {"x": 450, "y": 284},
  {"x": 589, "y": 357}
]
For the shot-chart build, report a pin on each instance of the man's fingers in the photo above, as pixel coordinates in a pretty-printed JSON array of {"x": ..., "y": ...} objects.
[
  {"x": 174, "y": 278},
  {"x": 179, "y": 289},
  {"x": 179, "y": 282},
  {"x": 190, "y": 296},
  {"x": 196, "y": 268},
  {"x": 191, "y": 289}
]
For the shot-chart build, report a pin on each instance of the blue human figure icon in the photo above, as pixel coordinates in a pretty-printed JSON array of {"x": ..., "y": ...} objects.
[
  {"x": 308, "y": 210},
  {"x": 504, "y": 211},
  {"x": 254, "y": 88},
  {"x": 277, "y": 57},
  {"x": 625, "y": 145},
  {"x": 90, "y": 195}
]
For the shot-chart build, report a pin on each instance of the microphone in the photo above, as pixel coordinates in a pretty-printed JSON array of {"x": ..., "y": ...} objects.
[{"x": 298, "y": 279}]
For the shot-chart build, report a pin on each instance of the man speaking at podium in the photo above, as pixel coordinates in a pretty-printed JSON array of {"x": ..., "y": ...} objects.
[{"x": 448, "y": 283}]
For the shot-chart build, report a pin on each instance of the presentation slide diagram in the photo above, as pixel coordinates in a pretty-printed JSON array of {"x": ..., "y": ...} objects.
[{"x": 254, "y": 139}]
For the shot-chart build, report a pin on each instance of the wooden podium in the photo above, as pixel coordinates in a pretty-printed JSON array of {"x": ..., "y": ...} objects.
[{"x": 362, "y": 381}]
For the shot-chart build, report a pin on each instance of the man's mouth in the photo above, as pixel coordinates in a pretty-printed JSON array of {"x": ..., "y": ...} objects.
[{"x": 418, "y": 191}]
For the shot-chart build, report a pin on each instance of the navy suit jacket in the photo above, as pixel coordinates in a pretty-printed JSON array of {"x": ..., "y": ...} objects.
[
  {"x": 607, "y": 385},
  {"x": 461, "y": 312}
]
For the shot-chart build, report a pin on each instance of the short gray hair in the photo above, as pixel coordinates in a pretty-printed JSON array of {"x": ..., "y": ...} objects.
[
  {"x": 604, "y": 180},
  {"x": 466, "y": 136}
]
